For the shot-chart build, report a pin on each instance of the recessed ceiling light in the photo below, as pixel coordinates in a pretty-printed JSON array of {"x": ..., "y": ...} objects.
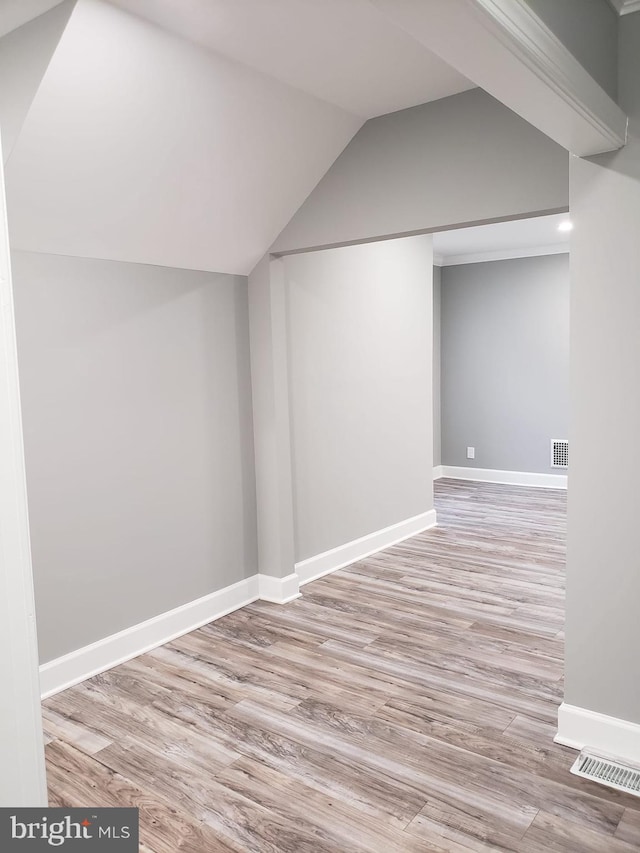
[{"x": 567, "y": 225}]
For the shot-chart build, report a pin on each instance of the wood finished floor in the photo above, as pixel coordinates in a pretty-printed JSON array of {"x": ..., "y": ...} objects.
[{"x": 406, "y": 703}]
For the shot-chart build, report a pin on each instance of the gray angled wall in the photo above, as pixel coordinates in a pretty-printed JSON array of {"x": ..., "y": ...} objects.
[
  {"x": 138, "y": 436},
  {"x": 505, "y": 362},
  {"x": 456, "y": 161}
]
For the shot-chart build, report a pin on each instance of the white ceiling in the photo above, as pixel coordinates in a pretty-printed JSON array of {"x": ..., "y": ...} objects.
[
  {"x": 516, "y": 239},
  {"x": 25, "y": 54},
  {"x": 140, "y": 146},
  {"x": 186, "y": 133},
  {"x": 342, "y": 51},
  {"x": 15, "y": 13}
]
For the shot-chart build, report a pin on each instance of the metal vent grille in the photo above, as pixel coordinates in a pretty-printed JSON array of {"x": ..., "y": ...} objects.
[
  {"x": 608, "y": 772},
  {"x": 559, "y": 453}
]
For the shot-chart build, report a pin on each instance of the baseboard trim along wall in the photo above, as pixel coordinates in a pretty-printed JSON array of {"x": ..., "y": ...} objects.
[
  {"x": 511, "y": 478},
  {"x": 578, "y": 727},
  {"x": 66, "y": 671},
  {"x": 279, "y": 590},
  {"x": 337, "y": 558},
  {"x": 77, "y": 666}
]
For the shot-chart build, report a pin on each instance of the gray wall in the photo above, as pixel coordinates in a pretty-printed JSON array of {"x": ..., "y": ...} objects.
[
  {"x": 360, "y": 344},
  {"x": 603, "y": 582},
  {"x": 589, "y": 29},
  {"x": 437, "y": 301},
  {"x": 505, "y": 362},
  {"x": 138, "y": 435},
  {"x": 459, "y": 160}
]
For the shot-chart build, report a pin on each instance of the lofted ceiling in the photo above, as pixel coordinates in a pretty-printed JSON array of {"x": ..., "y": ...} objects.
[
  {"x": 140, "y": 146},
  {"x": 186, "y": 133},
  {"x": 342, "y": 51},
  {"x": 16, "y": 13},
  {"x": 519, "y": 238},
  {"x": 25, "y": 54}
]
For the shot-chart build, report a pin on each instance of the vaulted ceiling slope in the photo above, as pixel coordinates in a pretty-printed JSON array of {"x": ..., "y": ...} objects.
[
  {"x": 188, "y": 134},
  {"x": 16, "y": 13},
  {"x": 342, "y": 51},
  {"x": 141, "y": 147},
  {"x": 25, "y": 53}
]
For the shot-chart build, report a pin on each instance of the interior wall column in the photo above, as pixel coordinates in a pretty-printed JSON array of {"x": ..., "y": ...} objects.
[{"x": 271, "y": 424}]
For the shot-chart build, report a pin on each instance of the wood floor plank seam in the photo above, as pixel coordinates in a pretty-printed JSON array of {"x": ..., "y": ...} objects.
[{"x": 405, "y": 704}]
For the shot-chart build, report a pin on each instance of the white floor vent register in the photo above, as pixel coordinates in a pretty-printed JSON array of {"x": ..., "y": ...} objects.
[
  {"x": 608, "y": 772},
  {"x": 559, "y": 453}
]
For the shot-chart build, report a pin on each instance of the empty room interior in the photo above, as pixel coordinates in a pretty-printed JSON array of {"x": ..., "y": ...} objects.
[{"x": 316, "y": 318}]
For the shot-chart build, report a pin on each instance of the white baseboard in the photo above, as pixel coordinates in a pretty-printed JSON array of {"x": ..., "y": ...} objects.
[
  {"x": 511, "y": 478},
  {"x": 578, "y": 727},
  {"x": 77, "y": 666},
  {"x": 84, "y": 663},
  {"x": 279, "y": 590},
  {"x": 337, "y": 558}
]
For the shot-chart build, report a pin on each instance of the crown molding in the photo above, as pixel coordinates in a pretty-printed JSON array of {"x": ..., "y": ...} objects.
[
  {"x": 501, "y": 255},
  {"x": 507, "y": 50},
  {"x": 538, "y": 48},
  {"x": 625, "y": 7}
]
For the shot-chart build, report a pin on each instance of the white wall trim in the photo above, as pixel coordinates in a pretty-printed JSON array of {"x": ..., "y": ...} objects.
[
  {"x": 438, "y": 472},
  {"x": 77, "y": 666},
  {"x": 630, "y": 6},
  {"x": 337, "y": 558},
  {"x": 502, "y": 255},
  {"x": 22, "y": 771},
  {"x": 578, "y": 727},
  {"x": 625, "y": 7},
  {"x": 507, "y": 50},
  {"x": 279, "y": 590},
  {"x": 538, "y": 48},
  {"x": 512, "y": 478}
]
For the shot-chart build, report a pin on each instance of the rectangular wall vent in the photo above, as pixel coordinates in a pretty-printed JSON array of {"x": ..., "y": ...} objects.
[
  {"x": 559, "y": 453},
  {"x": 608, "y": 772}
]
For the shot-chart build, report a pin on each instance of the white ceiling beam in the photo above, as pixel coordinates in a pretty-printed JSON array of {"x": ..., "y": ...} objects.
[{"x": 506, "y": 49}]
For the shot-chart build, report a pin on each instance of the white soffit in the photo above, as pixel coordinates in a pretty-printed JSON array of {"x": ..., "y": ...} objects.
[
  {"x": 521, "y": 238},
  {"x": 15, "y": 13},
  {"x": 342, "y": 51},
  {"x": 143, "y": 147}
]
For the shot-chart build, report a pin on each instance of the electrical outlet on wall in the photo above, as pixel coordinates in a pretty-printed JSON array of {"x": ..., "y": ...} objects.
[{"x": 471, "y": 453}]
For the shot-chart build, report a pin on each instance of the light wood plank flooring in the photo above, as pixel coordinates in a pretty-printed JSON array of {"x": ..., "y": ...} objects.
[{"x": 407, "y": 703}]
